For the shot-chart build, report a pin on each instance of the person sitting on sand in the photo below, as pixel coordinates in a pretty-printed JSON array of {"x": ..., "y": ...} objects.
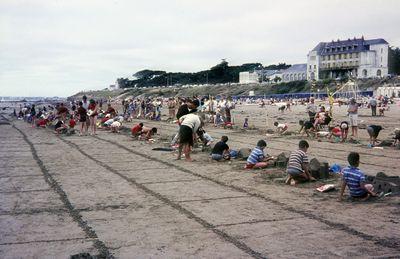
[
  {"x": 298, "y": 165},
  {"x": 137, "y": 130},
  {"x": 246, "y": 123},
  {"x": 204, "y": 137},
  {"x": 320, "y": 117},
  {"x": 42, "y": 122},
  {"x": 60, "y": 127},
  {"x": 336, "y": 132},
  {"x": 354, "y": 179},
  {"x": 257, "y": 159},
  {"x": 147, "y": 133},
  {"x": 344, "y": 126},
  {"x": 110, "y": 110},
  {"x": 221, "y": 150},
  {"x": 116, "y": 125},
  {"x": 396, "y": 137},
  {"x": 373, "y": 132},
  {"x": 280, "y": 127}
]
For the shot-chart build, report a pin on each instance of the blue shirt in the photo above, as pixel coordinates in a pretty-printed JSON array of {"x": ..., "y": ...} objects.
[
  {"x": 256, "y": 155},
  {"x": 353, "y": 177}
]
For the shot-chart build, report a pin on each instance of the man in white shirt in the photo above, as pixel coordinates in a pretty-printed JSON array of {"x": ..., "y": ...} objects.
[{"x": 189, "y": 124}]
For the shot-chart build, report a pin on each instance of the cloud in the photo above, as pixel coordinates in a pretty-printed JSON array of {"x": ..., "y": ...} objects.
[{"x": 60, "y": 47}]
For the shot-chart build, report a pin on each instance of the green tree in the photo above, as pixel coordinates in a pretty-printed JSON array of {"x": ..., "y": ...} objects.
[
  {"x": 394, "y": 61},
  {"x": 277, "y": 79}
]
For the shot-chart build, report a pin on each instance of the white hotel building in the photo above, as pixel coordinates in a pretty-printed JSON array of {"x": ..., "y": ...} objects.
[{"x": 353, "y": 57}]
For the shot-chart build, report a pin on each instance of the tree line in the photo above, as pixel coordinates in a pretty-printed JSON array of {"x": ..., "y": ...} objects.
[{"x": 218, "y": 74}]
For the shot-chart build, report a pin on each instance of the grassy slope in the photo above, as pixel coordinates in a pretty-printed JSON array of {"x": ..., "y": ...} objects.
[{"x": 226, "y": 90}]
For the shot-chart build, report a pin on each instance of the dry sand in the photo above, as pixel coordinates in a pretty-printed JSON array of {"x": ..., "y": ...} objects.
[{"x": 110, "y": 195}]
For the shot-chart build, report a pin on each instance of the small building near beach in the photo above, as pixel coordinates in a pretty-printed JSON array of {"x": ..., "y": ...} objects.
[{"x": 295, "y": 72}]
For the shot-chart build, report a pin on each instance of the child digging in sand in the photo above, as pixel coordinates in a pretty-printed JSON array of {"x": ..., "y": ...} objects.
[
  {"x": 281, "y": 128},
  {"x": 298, "y": 168},
  {"x": 257, "y": 159},
  {"x": 354, "y": 179},
  {"x": 221, "y": 150}
]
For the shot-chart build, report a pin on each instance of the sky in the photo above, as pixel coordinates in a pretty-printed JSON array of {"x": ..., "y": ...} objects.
[{"x": 60, "y": 47}]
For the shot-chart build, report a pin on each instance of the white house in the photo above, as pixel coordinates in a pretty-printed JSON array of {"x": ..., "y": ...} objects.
[
  {"x": 296, "y": 72},
  {"x": 248, "y": 77},
  {"x": 358, "y": 58}
]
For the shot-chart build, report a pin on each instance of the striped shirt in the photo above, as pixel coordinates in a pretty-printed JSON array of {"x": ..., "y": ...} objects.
[
  {"x": 353, "y": 177},
  {"x": 256, "y": 155},
  {"x": 296, "y": 159}
]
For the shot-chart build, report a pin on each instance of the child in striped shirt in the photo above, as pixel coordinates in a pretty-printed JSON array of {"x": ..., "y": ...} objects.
[
  {"x": 257, "y": 159},
  {"x": 354, "y": 179},
  {"x": 297, "y": 168}
]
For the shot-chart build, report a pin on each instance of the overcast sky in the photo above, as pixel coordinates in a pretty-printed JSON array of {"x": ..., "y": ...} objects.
[{"x": 59, "y": 47}]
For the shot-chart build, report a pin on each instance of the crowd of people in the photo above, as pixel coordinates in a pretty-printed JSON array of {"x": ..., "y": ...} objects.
[{"x": 191, "y": 114}]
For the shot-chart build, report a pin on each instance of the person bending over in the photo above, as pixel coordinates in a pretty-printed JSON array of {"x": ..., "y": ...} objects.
[
  {"x": 298, "y": 165},
  {"x": 137, "y": 130},
  {"x": 373, "y": 132},
  {"x": 280, "y": 127}
]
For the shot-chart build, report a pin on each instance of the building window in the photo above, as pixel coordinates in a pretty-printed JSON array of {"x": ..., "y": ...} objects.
[
  {"x": 364, "y": 73},
  {"x": 310, "y": 67},
  {"x": 315, "y": 66},
  {"x": 381, "y": 59},
  {"x": 379, "y": 73},
  {"x": 381, "y": 50}
]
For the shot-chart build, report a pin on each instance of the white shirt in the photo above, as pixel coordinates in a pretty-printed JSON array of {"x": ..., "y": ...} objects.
[{"x": 191, "y": 120}]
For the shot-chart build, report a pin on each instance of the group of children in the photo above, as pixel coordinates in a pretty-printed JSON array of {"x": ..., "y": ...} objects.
[{"x": 298, "y": 167}]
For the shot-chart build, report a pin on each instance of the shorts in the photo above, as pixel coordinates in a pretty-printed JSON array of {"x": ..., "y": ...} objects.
[
  {"x": 371, "y": 132},
  {"x": 353, "y": 120},
  {"x": 217, "y": 157},
  {"x": 294, "y": 171},
  {"x": 185, "y": 135}
]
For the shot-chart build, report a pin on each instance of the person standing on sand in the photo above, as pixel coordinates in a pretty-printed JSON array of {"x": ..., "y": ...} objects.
[
  {"x": 311, "y": 109},
  {"x": 171, "y": 108},
  {"x": 353, "y": 116},
  {"x": 189, "y": 124},
  {"x": 92, "y": 112},
  {"x": 373, "y": 103},
  {"x": 33, "y": 115},
  {"x": 81, "y": 112},
  {"x": 85, "y": 105}
]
